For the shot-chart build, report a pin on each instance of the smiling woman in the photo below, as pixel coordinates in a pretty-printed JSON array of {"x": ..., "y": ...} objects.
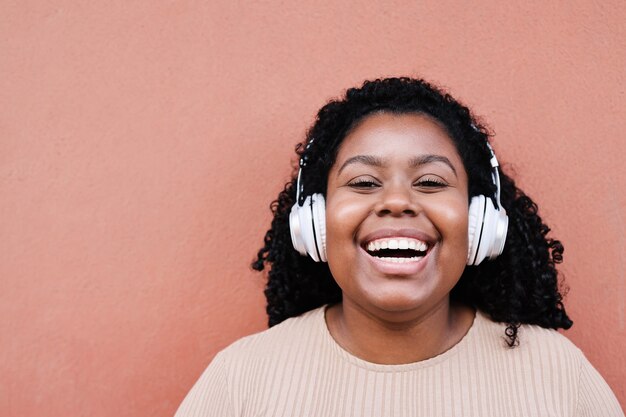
[
  {"x": 398, "y": 185},
  {"x": 392, "y": 289}
]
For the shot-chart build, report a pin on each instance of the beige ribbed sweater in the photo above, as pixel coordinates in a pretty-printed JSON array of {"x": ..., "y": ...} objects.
[{"x": 297, "y": 369}]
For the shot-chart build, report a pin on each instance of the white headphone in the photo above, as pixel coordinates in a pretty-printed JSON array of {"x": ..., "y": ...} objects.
[{"x": 487, "y": 225}]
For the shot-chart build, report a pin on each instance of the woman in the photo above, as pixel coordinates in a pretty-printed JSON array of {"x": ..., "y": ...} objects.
[{"x": 427, "y": 286}]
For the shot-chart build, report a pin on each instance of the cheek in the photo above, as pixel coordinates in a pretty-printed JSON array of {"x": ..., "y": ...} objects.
[
  {"x": 343, "y": 218},
  {"x": 451, "y": 217}
]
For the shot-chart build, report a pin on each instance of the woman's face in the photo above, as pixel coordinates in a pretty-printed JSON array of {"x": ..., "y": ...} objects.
[{"x": 396, "y": 215}]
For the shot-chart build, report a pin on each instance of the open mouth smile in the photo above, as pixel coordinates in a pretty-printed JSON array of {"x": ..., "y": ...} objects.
[{"x": 397, "y": 249}]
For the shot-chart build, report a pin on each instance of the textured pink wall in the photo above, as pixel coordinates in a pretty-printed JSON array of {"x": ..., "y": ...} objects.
[{"x": 142, "y": 142}]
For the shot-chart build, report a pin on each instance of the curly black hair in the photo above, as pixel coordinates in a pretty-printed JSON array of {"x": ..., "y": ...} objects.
[{"x": 520, "y": 286}]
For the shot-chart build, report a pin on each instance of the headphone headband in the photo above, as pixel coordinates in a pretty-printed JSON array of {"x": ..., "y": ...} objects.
[
  {"x": 494, "y": 175},
  {"x": 302, "y": 164}
]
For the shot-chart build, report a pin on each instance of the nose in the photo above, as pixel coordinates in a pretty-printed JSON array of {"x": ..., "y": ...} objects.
[{"x": 397, "y": 201}]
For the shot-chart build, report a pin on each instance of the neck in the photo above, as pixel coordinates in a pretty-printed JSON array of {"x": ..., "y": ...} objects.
[{"x": 396, "y": 339}]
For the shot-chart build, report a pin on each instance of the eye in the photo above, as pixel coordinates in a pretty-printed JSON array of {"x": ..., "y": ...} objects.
[
  {"x": 363, "y": 183},
  {"x": 431, "y": 182}
]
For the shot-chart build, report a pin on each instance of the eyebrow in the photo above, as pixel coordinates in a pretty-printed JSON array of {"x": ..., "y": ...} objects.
[
  {"x": 413, "y": 162},
  {"x": 363, "y": 159},
  {"x": 427, "y": 159}
]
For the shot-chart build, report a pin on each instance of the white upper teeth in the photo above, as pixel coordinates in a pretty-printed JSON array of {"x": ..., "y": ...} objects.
[{"x": 397, "y": 243}]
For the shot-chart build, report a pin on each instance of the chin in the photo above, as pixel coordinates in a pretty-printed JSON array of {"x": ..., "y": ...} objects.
[{"x": 397, "y": 305}]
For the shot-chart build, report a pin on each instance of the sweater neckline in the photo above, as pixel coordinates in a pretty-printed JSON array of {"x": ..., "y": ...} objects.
[{"x": 329, "y": 341}]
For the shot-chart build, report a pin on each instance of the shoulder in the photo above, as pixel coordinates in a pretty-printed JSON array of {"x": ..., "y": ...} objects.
[
  {"x": 541, "y": 356},
  {"x": 546, "y": 359},
  {"x": 253, "y": 364},
  {"x": 532, "y": 340},
  {"x": 272, "y": 343}
]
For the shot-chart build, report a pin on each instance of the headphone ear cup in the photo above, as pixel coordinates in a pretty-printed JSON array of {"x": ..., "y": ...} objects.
[
  {"x": 497, "y": 228},
  {"x": 295, "y": 227},
  {"x": 487, "y": 228},
  {"x": 318, "y": 210},
  {"x": 474, "y": 226},
  {"x": 307, "y": 224},
  {"x": 486, "y": 242}
]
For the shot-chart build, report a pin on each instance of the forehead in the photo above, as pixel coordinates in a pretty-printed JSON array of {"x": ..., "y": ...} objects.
[{"x": 398, "y": 136}]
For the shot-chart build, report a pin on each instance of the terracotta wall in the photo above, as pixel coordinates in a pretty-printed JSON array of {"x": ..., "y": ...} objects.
[{"x": 141, "y": 143}]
